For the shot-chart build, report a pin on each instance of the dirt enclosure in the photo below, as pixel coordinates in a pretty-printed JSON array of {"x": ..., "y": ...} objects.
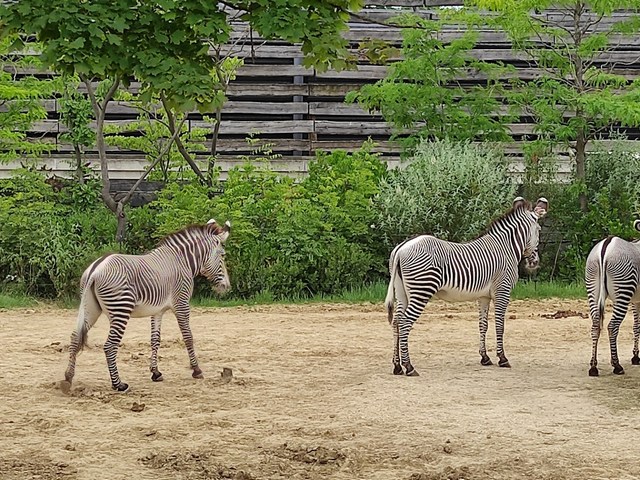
[{"x": 312, "y": 396}]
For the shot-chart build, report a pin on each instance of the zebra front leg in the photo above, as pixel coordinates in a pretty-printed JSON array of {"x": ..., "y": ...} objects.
[
  {"x": 182, "y": 315},
  {"x": 635, "y": 360},
  {"x": 116, "y": 331},
  {"x": 156, "y": 322},
  {"x": 483, "y": 305},
  {"x": 501, "y": 303}
]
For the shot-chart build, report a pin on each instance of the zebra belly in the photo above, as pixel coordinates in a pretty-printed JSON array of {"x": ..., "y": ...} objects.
[
  {"x": 449, "y": 294},
  {"x": 144, "y": 310}
]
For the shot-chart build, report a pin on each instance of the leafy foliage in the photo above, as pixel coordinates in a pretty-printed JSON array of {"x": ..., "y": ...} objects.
[
  {"x": 421, "y": 96},
  {"x": 613, "y": 183},
  {"x": 576, "y": 97},
  {"x": 49, "y": 235},
  {"x": 289, "y": 239},
  {"x": 449, "y": 190},
  {"x": 21, "y": 99}
]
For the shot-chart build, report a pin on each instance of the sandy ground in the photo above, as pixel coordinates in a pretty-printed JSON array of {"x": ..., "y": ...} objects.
[{"x": 313, "y": 397}]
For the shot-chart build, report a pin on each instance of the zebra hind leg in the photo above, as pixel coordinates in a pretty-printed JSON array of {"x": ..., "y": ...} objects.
[
  {"x": 118, "y": 325},
  {"x": 620, "y": 307},
  {"x": 414, "y": 309},
  {"x": 156, "y": 322},
  {"x": 397, "y": 367},
  {"x": 635, "y": 360},
  {"x": 483, "y": 323}
]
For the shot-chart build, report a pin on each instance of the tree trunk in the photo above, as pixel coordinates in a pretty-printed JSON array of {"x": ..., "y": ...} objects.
[
  {"x": 79, "y": 172},
  {"x": 581, "y": 155}
]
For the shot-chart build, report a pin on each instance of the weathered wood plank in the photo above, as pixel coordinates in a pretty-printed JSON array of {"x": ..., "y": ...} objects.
[
  {"x": 238, "y": 127},
  {"x": 336, "y": 109}
]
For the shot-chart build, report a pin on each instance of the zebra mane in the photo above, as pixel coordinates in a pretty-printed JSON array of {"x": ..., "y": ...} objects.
[
  {"x": 508, "y": 214},
  {"x": 209, "y": 228}
]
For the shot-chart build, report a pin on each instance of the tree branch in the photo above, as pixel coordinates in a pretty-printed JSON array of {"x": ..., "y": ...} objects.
[
  {"x": 179, "y": 144},
  {"x": 157, "y": 160}
]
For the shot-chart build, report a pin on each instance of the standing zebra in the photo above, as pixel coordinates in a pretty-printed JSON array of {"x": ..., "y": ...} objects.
[
  {"x": 484, "y": 269},
  {"x": 125, "y": 286},
  {"x": 613, "y": 271}
]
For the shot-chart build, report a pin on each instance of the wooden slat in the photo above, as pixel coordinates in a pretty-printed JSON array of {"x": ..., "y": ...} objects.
[
  {"x": 237, "y": 127},
  {"x": 248, "y": 70},
  {"x": 254, "y": 89}
]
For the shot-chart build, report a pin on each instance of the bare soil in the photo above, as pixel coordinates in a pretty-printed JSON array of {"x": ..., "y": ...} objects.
[{"x": 312, "y": 396}]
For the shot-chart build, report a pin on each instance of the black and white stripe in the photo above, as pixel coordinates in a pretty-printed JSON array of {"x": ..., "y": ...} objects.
[
  {"x": 126, "y": 286},
  {"x": 613, "y": 271},
  {"x": 484, "y": 269}
]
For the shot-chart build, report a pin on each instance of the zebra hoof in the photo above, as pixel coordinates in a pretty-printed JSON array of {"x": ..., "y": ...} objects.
[
  {"x": 635, "y": 360},
  {"x": 397, "y": 370},
  {"x": 122, "y": 388},
  {"x": 593, "y": 372},
  {"x": 413, "y": 373},
  {"x": 157, "y": 377},
  {"x": 618, "y": 370},
  {"x": 197, "y": 373},
  {"x": 65, "y": 386},
  {"x": 486, "y": 361},
  {"x": 504, "y": 364}
]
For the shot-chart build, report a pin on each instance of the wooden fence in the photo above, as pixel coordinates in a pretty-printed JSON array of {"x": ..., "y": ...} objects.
[{"x": 299, "y": 110}]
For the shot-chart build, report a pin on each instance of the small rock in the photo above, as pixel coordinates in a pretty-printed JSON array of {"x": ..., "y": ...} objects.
[
  {"x": 70, "y": 448},
  {"x": 227, "y": 374},
  {"x": 137, "y": 407},
  {"x": 447, "y": 449}
]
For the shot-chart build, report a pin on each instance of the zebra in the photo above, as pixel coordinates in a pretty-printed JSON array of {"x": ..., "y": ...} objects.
[
  {"x": 133, "y": 286},
  {"x": 613, "y": 271},
  {"x": 483, "y": 269}
]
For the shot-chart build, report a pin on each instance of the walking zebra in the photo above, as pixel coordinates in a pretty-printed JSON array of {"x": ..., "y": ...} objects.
[
  {"x": 484, "y": 269},
  {"x": 125, "y": 286},
  {"x": 613, "y": 271}
]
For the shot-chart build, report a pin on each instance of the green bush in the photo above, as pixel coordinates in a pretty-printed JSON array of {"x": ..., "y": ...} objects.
[
  {"x": 289, "y": 239},
  {"x": 49, "y": 235},
  {"x": 449, "y": 190},
  {"x": 613, "y": 191}
]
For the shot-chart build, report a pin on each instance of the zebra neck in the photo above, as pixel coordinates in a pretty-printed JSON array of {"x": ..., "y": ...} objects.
[
  {"x": 510, "y": 242},
  {"x": 184, "y": 257}
]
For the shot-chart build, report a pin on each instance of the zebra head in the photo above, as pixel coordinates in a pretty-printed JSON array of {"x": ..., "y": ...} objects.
[
  {"x": 214, "y": 267},
  {"x": 530, "y": 254}
]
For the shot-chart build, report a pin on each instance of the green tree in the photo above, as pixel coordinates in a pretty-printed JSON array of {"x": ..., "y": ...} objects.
[
  {"x": 165, "y": 46},
  {"x": 578, "y": 94},
  {"x": 21, "y": 103},
  {"x": 76, "y": 114},
  {"x": 421, "y": 95}
]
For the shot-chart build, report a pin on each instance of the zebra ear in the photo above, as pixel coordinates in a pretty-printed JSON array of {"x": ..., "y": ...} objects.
[
  {"x": 542, "y": 205},
  {"x": 227, "y": 226},
  {"x": 636, "y": 225},
  {"x": 519, "y": 202},
  {"x": 212, "y": 222}
]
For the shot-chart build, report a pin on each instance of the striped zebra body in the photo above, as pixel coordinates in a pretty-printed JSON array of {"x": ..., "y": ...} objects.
[
  {"x": 613, "y": 271},
  {"x": 132, "y": 286},
  {"x": 484, "y": 269}
]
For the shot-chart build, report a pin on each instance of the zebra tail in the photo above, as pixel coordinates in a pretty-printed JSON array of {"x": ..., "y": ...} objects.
[
  {"x": 82, "y": 326},
  {"x": 389, "y": 300},
  {"x": 602, "y": 291}
]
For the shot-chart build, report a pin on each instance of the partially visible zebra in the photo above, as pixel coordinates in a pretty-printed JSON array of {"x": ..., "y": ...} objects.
[
  {"x": 483, "y": 269},
  {"x": 125, "y": 286},
  {"x": 613, "y": 271}
]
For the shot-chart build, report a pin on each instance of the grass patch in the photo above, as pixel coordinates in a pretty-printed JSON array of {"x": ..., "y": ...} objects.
[
  {"x": 16, "y": 301},
  {"x": 376, "y": 292},
  {"x": 373, "y": 293},
  {"x": 531, "y": 289}
]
